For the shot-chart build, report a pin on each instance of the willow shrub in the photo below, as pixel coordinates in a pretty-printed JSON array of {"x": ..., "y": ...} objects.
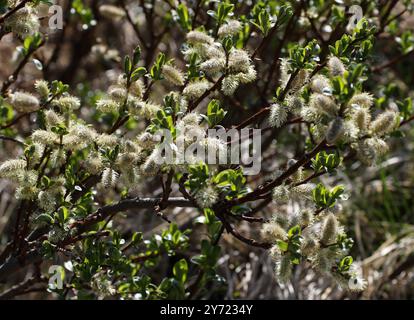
[{"x": 307, "y": 73}]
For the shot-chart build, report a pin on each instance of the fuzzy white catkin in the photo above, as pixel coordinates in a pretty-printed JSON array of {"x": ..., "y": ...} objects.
[
  {"x": 278, "y": 115},
  {"x": 206, "y": 197},
  {"x": 85, "y": 133},
  {"x": 281, "y": 194},
  {"x": 24, "y": 102},
  {"x": 247, "y": 76},
  {"x": 42, "y": 88},
  {"x": 329, "y": 230},
  {"x": 351, "y": 131},
  {"x": 196, "y": 89},
  {"x": 299, "y": 81},
  {"x": 230, "y": 28},
  {"x": 302, "y": 191},
  {"x": 107, "y": 105},
  {"x": 94, "y": 164},
  {"x": 324, "y": 104},
  {"x": 137, "y": 88},
  {"x": 384, "y": 123},
  {"x": 44, "y": 137},
  {"x": 377, "y": 144},
  {"x": 52, "y": 118},
  {"x": 320, "y": 84},
  {"x": 117, "y": 93},
  {"x": 191, "y": 119},
  {"x": 213, "y": 66},
  {"x": 173, "y": 75},
  {"x": 46, "y": 200},
  {"x": 198, "y": 37},
  {"x": 336, "y": 67},
  {"x": 363, "y": 99},
  {"x": 229, "y": 85},
  {"x": 321, "y": 261},
  {"x": 272, "y": 231},
  {"x": 148, "y": 110},
  {"x": 146, "y": 141},
  {"x": 67, "y": 103},
  {"x": 239, "y": 61},
  {"x": 107, "y": 140},
  {"x": 154, "y": 163},
  {"x": 361, "y": 118},
  {"x": 23, "y": 22},
  {"x": 109, "y": 177},
  {"x": 214, "y": 51},
  {"x": 11, "y": 167},
  {"x": 309, "y": 245},
  {"x": 111, "y": 12},
  {"x": 284, "y": 269},
  {"x": 131, "y": 146}
]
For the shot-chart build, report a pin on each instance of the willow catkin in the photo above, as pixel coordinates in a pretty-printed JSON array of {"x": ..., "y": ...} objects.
[
  {"x": 42, "y": 88},
  {"x": 384, "y": 123},
  {"x": 272, "y": 231},
  {"x": 109, "y": 177},
  {"x": 329, "y": 229},
  {"x": 196, "y": 89},
  {"x": 278, "y": 115},
  {"x": 24, "y": 102},
  {"x": 111, "y": 12},
  {"x": 362, "y": 99},
  {"x": 336, "y": 67},
  {"x": 173, "y": 75},
  {"x": 230, "y": 28},
  {"x": 361, "y": 118},
  {"x": 206, "y": 197},
  {"x": 198, "y": 37},
  {"x": 335, "y": 130}
]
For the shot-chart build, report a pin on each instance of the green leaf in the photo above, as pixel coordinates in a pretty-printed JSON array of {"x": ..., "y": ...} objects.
[
  {"x": 137, "y": 238},
  {"x": 127, "y": 65},
  {"x": 215, "y": 114},
  {"x": 138, "y": 73},
  {"x": 46, "y": 218},
  {"x": 183, "y": 17},
  {"x": 180, "y": 271},
  {"x": 136, "y": 55},
  {"x": 283, "y": 245}
]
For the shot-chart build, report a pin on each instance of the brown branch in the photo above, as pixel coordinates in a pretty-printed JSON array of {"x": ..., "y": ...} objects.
[
  {"x": 127, "y": 204},
  {"x": 6, "y": 138},
  {"x": 13, "y": 77},
  {"x": 21, "y": 288},
  {"x": 251, "y": 242},
  {"x": 391, "y": 62},
  {"x": 278, "y": 181}
]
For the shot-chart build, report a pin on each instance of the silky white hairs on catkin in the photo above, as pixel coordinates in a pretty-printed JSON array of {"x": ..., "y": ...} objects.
[
  {"x": 336, "y": 67},
  {"x": 109, "y": 178},
  {"x": 198, "y": 37},
  {"x": 111, "y": 12},
  {"x": 278, "y": 115},
  {"x": 173, "y": 75},
  {"x": 196, "y": 89},
  {"x": 230, "y": 28},
  {"x": 42, "y": 88},
  {"x": 206, "y": 197},
  {"x": 23, "y": 22},
  {"x": 24, "y": 102},
  {"x": 384, "y": 123}
]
